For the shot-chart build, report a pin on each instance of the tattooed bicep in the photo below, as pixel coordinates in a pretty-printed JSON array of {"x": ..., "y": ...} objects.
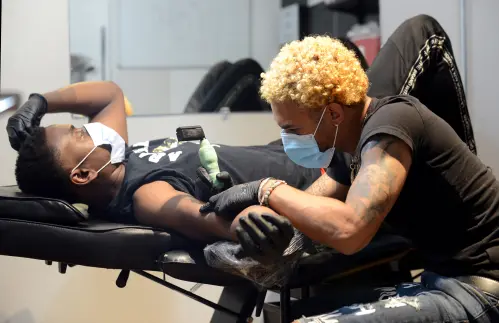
[{"x": 385, "y": 161}]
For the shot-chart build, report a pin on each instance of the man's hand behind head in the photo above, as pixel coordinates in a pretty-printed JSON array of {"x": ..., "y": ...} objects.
[{"x": 25, "y": 119}]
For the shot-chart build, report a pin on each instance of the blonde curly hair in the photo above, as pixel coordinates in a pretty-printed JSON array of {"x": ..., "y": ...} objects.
[{"x": 315, "y": 72}]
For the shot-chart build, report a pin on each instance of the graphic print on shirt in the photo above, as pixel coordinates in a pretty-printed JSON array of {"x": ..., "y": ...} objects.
[{"x": 160, "y": 151}]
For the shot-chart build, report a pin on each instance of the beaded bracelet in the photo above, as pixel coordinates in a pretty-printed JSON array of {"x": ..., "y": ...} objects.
[
  {"x": 262, "y": 184},
  {"x": 266, "y": 195}
]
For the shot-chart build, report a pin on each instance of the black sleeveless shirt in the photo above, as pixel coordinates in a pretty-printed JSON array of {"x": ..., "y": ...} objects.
[{"x": 176, "y": 163}]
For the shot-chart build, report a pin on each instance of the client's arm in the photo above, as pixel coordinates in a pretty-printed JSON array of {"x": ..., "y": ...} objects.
[
  {"x": 100, "y": 101},
  {"x": 159, "y": 204}
]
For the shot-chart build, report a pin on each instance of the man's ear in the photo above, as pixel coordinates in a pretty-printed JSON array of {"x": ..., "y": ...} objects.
[
  {"x": 82, "y": 176},
  {"x": 336, "y": 112}
]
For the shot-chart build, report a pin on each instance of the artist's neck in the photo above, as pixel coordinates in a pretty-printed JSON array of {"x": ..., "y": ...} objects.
[{"x": 354, "y": 125}]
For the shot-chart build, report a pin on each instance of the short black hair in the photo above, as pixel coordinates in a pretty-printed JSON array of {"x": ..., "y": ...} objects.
[{"x": 38, "y": 170}]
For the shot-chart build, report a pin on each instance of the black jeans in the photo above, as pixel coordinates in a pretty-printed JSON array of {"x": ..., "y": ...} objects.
[{"x": 418, "y": 60}]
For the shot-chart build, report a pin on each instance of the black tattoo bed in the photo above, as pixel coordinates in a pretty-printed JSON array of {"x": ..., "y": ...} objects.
[{"x": 55, "y": 231}]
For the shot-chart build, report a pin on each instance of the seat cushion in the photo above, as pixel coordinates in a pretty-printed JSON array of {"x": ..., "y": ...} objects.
[
  {"x": 90, "y": 243},
  {"x": 51, "y": 229}
]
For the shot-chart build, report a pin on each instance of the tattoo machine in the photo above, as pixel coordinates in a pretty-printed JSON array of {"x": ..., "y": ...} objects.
[{"x": 207, "y": 154}]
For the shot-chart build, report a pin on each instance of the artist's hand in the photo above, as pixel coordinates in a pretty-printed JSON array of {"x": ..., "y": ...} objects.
[
  {"x": 222, "y": 177},
  {"x": 231, "y": 202},
  {"x": 264, "y": 237},
  {"x": 27, "y": 117}
]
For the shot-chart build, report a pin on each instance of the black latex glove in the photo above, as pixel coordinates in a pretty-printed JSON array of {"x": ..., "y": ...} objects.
[
  {"x": 231, "y": 202},
  {"x": 25, "y": 119},
  {"x": 222, "y": 177},
  {"x": 264, "y": 237}
]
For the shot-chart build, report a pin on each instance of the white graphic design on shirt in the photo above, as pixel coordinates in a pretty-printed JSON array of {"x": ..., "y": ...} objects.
[{"x": 161, "y": 151}]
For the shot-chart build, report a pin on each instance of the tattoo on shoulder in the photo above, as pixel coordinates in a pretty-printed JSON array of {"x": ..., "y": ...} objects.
[
  {"x": 373, "y": 186},
  {"x": 383, "y": 143}
]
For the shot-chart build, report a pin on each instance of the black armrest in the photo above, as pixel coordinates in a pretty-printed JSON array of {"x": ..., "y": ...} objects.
[
  {"x": 190, "y": 265},
  {"x": 316, "y": 268}
]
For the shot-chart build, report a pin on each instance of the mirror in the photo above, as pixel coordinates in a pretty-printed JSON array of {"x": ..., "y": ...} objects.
[
  {"x": 173, "y": 57},
  {"x": 9, "y": 101},
  {"x": 200, "y": 56}
]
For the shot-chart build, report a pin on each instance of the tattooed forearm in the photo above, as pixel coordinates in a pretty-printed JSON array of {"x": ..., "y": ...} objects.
[
  {"x": 378, "y": 183},
  {"x": 326, "y": 186},
  {"x": 323, "y": 186}
]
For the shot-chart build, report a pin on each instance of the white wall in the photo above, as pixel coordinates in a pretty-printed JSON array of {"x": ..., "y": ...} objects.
[
  {"x": 28, "y": 70},
  {"x": 481, "y": 52},
  {"x": 161, "y": 90},
  {"x": 35, "y": 57}
]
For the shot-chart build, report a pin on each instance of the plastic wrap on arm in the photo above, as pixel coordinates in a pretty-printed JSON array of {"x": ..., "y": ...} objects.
[{"x": 228, "y": 256}]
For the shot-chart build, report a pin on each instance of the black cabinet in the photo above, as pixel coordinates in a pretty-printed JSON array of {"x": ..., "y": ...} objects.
[{"x": 334, "y": 17}]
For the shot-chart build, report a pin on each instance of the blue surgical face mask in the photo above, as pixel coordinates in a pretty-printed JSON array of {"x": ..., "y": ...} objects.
[{"x": 304, "y": 150}]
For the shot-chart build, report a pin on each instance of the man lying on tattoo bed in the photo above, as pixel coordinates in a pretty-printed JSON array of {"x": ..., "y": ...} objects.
[{"x": 153, "y": 183}]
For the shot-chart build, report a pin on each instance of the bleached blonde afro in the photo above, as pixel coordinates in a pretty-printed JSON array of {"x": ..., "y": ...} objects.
[{"x": 315, "y": 72}]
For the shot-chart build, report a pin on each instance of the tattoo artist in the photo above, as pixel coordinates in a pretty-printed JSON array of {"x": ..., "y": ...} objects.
[
  {"x": 313, "y": 126},
  {"x": 410, "y": 168}
]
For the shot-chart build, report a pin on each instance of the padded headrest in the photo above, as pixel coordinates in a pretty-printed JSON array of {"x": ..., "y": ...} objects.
[{"x": 16, "y": 205}]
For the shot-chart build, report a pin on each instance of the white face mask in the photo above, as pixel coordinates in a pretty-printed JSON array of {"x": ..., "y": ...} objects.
[{"x": 103, "y": 135}]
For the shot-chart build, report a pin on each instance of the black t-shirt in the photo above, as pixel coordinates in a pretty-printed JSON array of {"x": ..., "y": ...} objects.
[
  {"x": 176, "y": 163},
  {"x": 449, "y": 205}
]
